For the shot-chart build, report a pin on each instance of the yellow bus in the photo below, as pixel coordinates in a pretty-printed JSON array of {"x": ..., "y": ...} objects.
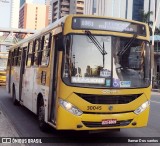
[
  {"x": 3, "y": 66},
  {"x": 84, "y": 73}
]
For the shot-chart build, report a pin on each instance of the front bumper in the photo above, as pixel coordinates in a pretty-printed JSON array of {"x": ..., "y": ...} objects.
[{"x": 68, "y": 121}]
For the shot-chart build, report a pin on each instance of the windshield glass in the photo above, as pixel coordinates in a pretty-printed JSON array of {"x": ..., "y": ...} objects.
[{"x": 112, "y": 62}]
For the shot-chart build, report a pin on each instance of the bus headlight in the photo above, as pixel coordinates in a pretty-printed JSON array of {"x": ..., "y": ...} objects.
[
  {"x": 142, "y": 107},
  {"x": 69, "y": 107}
]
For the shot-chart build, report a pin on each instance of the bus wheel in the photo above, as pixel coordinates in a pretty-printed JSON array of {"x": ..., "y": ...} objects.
[
  {"x": 15, "y": 101},
  {"x": 41, "y": 115}
]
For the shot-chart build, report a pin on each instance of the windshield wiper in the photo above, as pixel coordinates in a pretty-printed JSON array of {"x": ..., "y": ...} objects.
[
  {"x": 120, "y": 53},
  {"x": 97, "y": 44}
]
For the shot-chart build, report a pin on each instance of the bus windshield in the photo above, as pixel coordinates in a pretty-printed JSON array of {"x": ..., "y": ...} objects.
[{"x": 125, "y": 65}]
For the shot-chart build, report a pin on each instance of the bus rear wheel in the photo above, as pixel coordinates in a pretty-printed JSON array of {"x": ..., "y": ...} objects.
[{"x": 41, "y": 116}]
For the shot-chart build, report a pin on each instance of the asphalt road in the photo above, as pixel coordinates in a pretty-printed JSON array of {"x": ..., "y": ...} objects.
[{"x": 26, "y": 125}]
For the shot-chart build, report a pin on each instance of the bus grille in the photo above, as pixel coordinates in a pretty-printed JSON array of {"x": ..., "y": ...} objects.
[
  {"x": 108, "y": 99},
  {"x": 99, "y": 124}
]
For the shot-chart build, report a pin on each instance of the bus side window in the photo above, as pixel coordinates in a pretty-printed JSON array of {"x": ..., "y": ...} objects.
[
  {"x": 15, "y": 56},
  {"x": 36, "y": 52},
  {"x": 46, "y": 49},
  {"x": 9, "y": 58},
  {"x": 19, "y": 57},
  {"x": 29, "y": 54},
  {"x": 12, "y": 59}
]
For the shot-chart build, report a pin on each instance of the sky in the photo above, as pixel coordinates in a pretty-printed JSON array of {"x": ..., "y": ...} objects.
[
  {"x": 39, "y": 1},
  {"x": 5, "y": 12}
]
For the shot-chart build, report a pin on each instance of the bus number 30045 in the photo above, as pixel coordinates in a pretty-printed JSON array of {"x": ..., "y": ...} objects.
[{"x": 94, "y": 107}]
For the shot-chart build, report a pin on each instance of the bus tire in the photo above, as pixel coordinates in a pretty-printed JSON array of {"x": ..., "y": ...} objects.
[
  {"x": 15, "y": 101},
  {"x": 41, "y": 116}
]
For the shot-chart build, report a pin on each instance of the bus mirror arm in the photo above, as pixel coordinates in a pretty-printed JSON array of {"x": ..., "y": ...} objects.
[{"x": 59, "y": 43}]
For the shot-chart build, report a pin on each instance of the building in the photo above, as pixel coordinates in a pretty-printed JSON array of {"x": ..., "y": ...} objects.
[
  {"x": 129, "y": 9},
  {"x": 14, "y": 13},
  {"x": 22, "y": 2},
  {"x": 33, "y": 16},
  {"x": 62, "y": 8},
  {"x": 138, "y": 8},
  {"x": 5, "y": 6},
  {"x": 152, "y": 5},
  {"x": 111, "y": 8},
  {"x": 48, "y": 3}
]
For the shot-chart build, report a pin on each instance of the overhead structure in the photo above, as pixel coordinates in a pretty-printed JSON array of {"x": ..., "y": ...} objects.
[{"x": 11, "y": 36}]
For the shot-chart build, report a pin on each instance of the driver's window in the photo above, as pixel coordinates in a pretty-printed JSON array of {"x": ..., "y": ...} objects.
[
  {"x": 136, "y": 57},
  {"x": 46, "y": 49},
  {"x": 68, "y": 65}
]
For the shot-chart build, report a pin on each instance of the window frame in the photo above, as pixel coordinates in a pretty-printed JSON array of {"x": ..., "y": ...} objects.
[{"x": 50, "y": 37}]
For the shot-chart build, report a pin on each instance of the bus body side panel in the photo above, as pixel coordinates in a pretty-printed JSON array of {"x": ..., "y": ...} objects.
[
  {"x": 15, "y": 80},
  {"x": 40, "y": 89},
  {"x": 27, "y": 89}
]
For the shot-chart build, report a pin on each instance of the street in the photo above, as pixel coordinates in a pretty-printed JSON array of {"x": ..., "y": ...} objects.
[{"x": 26, "y": 124}]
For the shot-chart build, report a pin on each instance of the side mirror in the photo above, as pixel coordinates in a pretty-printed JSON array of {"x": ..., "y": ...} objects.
[{"x": 59, "y": 43}]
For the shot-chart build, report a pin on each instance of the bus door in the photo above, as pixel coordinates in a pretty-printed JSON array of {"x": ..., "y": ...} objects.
[
  {"x": 9, "y": 71},
  {"x": 22, "y": 68},
  {"x": 27, "y": 78},
  {"x": 53, "y": 87}
]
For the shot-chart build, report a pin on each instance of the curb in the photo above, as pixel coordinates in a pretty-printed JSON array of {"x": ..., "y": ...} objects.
[{"x": 155, "y": 90}]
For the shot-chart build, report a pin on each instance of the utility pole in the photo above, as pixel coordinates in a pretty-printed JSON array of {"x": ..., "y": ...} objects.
[
  {"x": 155, "y": 8},
  {"x": 149, "y": 9},
  {"x": 126, "y": 9}
]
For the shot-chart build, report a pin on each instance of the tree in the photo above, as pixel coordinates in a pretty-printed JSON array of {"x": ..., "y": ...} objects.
[{"x": 146, "y": 17}]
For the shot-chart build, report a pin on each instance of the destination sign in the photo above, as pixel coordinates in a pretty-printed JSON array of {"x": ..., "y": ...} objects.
[{"x": 109, "y": 25}]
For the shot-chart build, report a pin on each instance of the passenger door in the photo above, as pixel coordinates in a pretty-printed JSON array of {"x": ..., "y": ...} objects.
[
  {"x": 22, "y": 69},
  {"x": 54, "y": 80},
  {"x": 9, "y": 67},
  {"x": 27, "y": 83}
]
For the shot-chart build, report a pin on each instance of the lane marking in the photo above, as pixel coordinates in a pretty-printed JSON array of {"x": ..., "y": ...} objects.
[{"x": 154, "y": 101}]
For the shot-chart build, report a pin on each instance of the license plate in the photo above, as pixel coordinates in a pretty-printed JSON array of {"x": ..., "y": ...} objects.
[{"x": 109, "y": 122}]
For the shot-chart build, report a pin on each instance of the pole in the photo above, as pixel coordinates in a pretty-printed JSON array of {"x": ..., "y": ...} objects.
[
  {"x": 149, "y": 9},
  {"x": 119, "y": 8},
  {"x": 126, "y": 9},
  {"x": 155, "y": 8},
  {"x": 113, "y": 8}
]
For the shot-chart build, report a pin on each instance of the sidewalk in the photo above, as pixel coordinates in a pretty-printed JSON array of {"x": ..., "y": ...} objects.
[{"x": 7, "y": 129}]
